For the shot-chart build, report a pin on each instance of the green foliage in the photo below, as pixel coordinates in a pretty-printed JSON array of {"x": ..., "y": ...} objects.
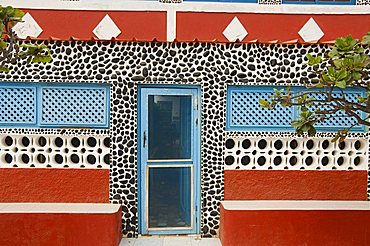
[
  {"x": 345, "y": 65},
  {"x": 10, "y": 48}
]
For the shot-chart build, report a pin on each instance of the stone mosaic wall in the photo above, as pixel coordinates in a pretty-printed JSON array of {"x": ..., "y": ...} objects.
[{"x": 127, "y": 65}]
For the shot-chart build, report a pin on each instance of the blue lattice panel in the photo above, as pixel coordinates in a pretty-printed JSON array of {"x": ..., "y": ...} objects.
[
  {"x": 245, "y": 111},
  {"x": 339, "y": 120},
  {"x": 74, "y": 106},
  {"x": 17, "y": 105}
]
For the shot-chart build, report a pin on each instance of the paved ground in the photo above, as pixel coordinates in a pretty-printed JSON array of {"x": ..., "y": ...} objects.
[{"x": 170, "y": 241}]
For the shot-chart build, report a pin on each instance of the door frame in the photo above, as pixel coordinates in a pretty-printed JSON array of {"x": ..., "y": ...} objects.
[{"x": 141, "y": 177}]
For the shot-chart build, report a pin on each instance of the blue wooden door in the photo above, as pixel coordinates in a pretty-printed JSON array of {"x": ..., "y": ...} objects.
[{"x": 169, "y": 158}]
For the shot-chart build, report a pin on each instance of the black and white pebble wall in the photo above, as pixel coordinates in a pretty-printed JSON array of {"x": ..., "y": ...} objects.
[{"x": 125, "y": 65}]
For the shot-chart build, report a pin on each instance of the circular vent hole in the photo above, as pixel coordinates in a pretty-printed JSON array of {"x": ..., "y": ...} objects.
[
  {"x": 75, "y": 142},
  {"x": 91, "y": 159},
  {"x": 75, "y": 158},
  {"x": 342, "y": 145},
  {"x": 107, "y": 142},
  {"x": 58, "y": 142},
  {"x": 293, "y": 144},
  {"x": 230, "y": 144},
  {"x": 325, "y": 161},
  {"x": 229, "y": 160},
  {"x": 358, "y": 145},
  {"x": 106, "y": 159},
  {"x": 41, "y": 141},
  {"x": 91, "y": 142},
  {"x": 310, "y": 144},
  {"x": 277, "y": 160},
  {"x": 278, "y": 144},
  {"x": 262, "y": 144},
  {"x": 325, "y": 144},
  {"x": 25, "y": 158},
  {"x": 25, "y": 141},
  {"x": 8, "y": 141},
  {"x": 245, "y": 160},
  {"x": 8, "y": 158},
  {"x": 58, "y": 159},
  {"x": 41, "y": 158},
  {"x": 246, "y": 144},
  {"x": 261, "y": 160},
  {"x": 293, "y": 160},
  {"x": 309, "y": 161},
  {"x": 340, "y": 161},
  {"x": 357, "y": 161}
]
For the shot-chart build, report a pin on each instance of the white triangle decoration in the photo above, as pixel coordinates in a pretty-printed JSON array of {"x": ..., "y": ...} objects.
[
  {"x": 235, "y": 31},
  {"x": 311, "y": 31},
  {"x": 27, "y": 28},
  {"x": 106, "y": 29}
]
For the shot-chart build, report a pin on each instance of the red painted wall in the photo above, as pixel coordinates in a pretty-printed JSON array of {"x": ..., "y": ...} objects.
[
  {"x": 54, "y": 185},
  {"x": 47, "y": 229},
  {"x": 61, "y": 24},
  {"x": 295, "y": 185},
  {"x": 267, "y": 27},
  {"x": 251, "y": 227}
]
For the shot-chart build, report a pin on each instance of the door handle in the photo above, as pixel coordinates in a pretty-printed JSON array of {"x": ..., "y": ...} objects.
[{"x": 144, "y": 142}]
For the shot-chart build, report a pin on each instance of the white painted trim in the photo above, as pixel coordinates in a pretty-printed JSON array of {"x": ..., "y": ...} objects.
[
  {"x": 70, "y": 208},
  {"x": 140, "y": 5},
  {"x": 296, "y": 205},
  {"x": 171, "y": 25}
]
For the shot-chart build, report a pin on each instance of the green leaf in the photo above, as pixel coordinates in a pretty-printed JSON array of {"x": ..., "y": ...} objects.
[
  {"x": 42, "y": 59},
  {"x": 313, "y": 60},
  {"x": 331, "y": 72},
  {"x": 338, "y": 63},
  {"x": 296, "y": 123},
  {"x": 341, "y": 84},
  {"x": 264, "y": 103},
  {"x": 3, "y": 44},
  {"x": 306, "y": 127},
  {"x": 311, "y": 131},
  {"x": 333, "y": 53},
  {"x": 4, "y": 69},
  {"x": 356, "y": 76},
  {"x": 366, "y": 39},
  {"x": 342, "y": 74},
  {"x": 18, "y": 13}
]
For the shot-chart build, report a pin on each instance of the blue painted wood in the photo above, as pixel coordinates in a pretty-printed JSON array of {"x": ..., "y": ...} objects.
[
  {"x": 81, "y": 106},
  {"x": 18, "y": 105},
  {"x": 144, "y": 164},
  {"x": 47, "y": 105},
  {"x": 244, "y": 113}
]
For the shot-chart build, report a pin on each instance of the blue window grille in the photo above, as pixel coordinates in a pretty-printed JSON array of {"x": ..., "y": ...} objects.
[
  {"x": 17, "y": 105},
  {"x": 73, "y": 106},
  {"x": 244, "y": 112},
  {"x": 339, "y": 119},
  {"x": 49, "y": 105}
]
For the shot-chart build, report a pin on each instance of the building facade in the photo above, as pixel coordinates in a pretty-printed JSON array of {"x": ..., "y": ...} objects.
[{"x": 155, "y": 106}]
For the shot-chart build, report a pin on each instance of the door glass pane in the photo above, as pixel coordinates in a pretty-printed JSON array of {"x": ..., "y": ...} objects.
[
  {"x": 169, "y": 201},
  {"x": 169, "y": 127}
]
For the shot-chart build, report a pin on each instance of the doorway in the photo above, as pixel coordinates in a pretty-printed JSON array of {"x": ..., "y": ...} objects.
[{"x": 169, "y": 160}]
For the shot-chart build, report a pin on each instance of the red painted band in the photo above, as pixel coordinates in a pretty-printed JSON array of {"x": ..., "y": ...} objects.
[
  {"x": 295, "y": 185},
  {"x": 267, "y": 27},
  {"x": 330, "y": 227},
  {"x": 63, "y": 24},
  {"x": 49, "y": 229},
  {"x": 54, "y": 185}
]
